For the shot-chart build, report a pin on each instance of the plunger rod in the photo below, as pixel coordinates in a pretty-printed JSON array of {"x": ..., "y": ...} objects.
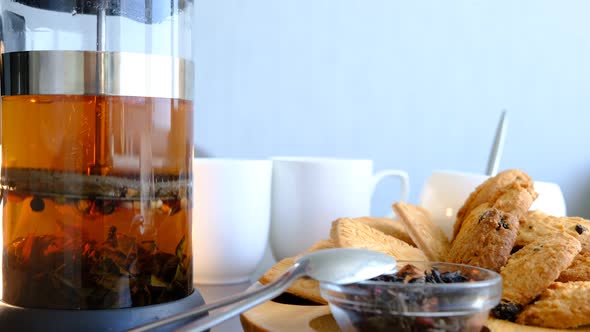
[{"x": 102, "y": 162}]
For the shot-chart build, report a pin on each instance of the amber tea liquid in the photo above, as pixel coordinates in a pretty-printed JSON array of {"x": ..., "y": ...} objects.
[{"x": 96, "y": 194}]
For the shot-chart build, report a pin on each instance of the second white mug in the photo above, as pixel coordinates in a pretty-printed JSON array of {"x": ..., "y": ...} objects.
[{"x": 309, "y": 193}]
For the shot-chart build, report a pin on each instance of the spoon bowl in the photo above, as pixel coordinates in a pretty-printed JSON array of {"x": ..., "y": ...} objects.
[{"x": 346, "y": 265}]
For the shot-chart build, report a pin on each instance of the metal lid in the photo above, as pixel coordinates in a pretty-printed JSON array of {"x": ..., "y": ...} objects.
[
  {"x": 96, "y": 73},
  {"x": 145, "y": 11}
]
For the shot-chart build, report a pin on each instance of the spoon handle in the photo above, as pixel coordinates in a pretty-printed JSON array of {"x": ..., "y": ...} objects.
[
  {"x": 255, "y": 298},
  {"x": 247, "y": 299},
  {"x": 498, "y": 146}
]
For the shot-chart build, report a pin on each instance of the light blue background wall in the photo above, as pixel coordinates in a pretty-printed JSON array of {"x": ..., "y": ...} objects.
[{"x": 416, "y": 85}]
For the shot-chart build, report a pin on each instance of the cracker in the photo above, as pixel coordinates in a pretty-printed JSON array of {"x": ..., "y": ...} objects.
[
  {"x": 388, "y": 226},
  {"x": 562, "y": 306},
  {"x": 427, "y": 236},
  {"x": 486, "y": 238},
  {"x": 533, "y": 268},
  {"x": 303, "y": 287},
  {"x": 348, "y": 233},
  {"x": 485, "y": 191}
]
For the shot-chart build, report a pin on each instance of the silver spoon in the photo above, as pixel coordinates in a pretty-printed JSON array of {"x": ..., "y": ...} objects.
[
  {"x": 340, "y": 266},
  {"x": 498, "y": 146}
]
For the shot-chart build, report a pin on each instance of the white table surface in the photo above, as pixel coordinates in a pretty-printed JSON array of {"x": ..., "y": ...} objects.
[{"x": 212, "y": 293}]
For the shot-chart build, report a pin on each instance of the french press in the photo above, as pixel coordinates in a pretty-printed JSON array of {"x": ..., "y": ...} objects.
[{"x": 96, "y": 133}]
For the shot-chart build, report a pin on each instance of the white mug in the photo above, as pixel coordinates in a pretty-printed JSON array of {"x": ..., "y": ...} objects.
[
  {"x": 309, "y": 193},
  {"x": 231, "y": 218},
  {"x": 445, "y": 192}
]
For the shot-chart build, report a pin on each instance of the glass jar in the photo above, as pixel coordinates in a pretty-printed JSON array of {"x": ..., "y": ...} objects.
[{"x": 97, "y": 130}]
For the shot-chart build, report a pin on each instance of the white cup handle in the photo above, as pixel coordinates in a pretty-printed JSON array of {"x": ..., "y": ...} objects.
[{"x": 404, "y": 180}]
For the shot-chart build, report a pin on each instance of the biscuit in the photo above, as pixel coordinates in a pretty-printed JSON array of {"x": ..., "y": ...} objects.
[
  {"x": 533, "y": 268},
  {"x": 486, "y": 238},
  {"x": 579, "y": 270},
  {"x": 536, "y": 224},
  {"x": 303, "y": 287},
  {"x": 427, "y": 236},
  {"x": 388, "y": 226},
  {"x": 562, "y": 306},
  {"x": 487, "y": 190},
  {"x": 347, "y": 233}
]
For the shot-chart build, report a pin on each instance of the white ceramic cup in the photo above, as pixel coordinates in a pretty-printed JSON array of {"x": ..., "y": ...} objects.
[
  {"x": 444, "y": 193},
  {"x": 309, "y": 193},
  {"x": 231, "y": 218}
]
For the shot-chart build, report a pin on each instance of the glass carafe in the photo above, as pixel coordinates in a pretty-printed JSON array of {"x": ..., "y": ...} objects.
[{"x": 97, "y": 130}]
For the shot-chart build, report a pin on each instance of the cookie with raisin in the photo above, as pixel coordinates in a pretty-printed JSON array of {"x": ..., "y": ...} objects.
[
  {"x": 561, "y": 306},
  {"x": 488, "y": 189},
  {"x": 536, "y": 224},
  {"x": 533, "y": 268},
  {"x": 515, "y": 198},
  {"x": 579, "y": 270},
  {"x": 485, "y": 239}
]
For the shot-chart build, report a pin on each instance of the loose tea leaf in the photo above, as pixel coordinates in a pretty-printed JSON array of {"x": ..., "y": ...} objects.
[
  {"x": 180, "y": 247},
  {"x": 50, "y": 271},
  {"x": 383, "y": 308}
]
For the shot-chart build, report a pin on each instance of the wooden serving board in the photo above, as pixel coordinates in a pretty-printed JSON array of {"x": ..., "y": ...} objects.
[{"x": 272, "y": 316}]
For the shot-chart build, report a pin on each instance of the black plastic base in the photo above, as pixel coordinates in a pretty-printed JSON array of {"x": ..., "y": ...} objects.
[{"x": 26, "y": 319}]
